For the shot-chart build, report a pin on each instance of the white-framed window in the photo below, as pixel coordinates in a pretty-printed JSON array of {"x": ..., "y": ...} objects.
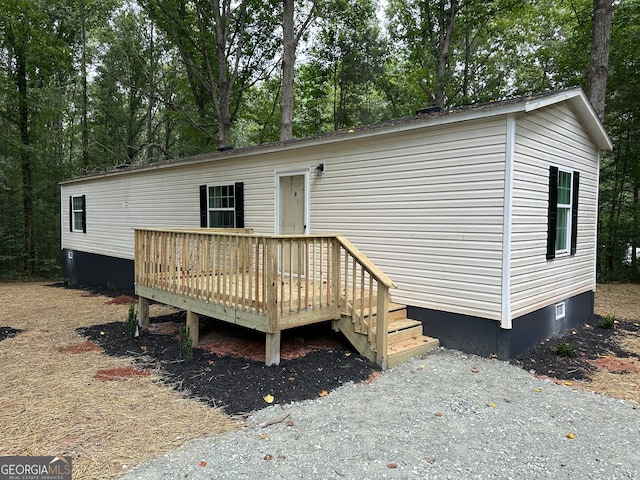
[
  {"x": 562, "y": 220},
  {"x": 78, "y": 213},
  {"x": 222, "y": 206}
]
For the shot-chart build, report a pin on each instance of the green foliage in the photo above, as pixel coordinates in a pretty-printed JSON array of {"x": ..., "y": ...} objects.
[
  {"x": 608, "y": 321},
  {"x": 186, "y": 347},
  {"x": 565, "y": 350},
  {"x": 131, "y": 324}
]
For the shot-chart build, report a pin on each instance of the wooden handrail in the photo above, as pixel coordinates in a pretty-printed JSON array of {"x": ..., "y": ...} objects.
[{"x": 290, "y": 280}]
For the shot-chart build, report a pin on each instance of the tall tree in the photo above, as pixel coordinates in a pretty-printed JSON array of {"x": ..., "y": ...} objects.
[
  {"x": 599, "y": 61},
  {"x": 37, "y": 38},
  {"x": 225, "y": 46},
  {"x": 290, "y": 40}
]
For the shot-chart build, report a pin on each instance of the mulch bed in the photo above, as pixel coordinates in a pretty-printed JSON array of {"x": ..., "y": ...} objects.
[
  {"x": 238, "y": 385},
  {"x": 591, "y": 343},
  {"x": 8, "y": 332}
]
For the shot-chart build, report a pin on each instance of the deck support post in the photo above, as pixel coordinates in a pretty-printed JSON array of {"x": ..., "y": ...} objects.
[
  {"x": 193, "y": 325},
  {"x": 272, "y": 349},
  {"x": 143, "y": 312},
  {"x": 382, "y": 336}
]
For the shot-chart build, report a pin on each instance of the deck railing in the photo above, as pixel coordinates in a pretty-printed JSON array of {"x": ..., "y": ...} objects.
[{"x": 291, "y": 280}]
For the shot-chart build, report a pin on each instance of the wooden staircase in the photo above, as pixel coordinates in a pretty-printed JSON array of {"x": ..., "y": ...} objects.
[{"x": 404, "y": 335}]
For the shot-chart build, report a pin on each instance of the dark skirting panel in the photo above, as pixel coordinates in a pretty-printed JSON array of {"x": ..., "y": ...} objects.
[
  {"x": 485, "y": 337},
  {"x": 100, "y": 271}
]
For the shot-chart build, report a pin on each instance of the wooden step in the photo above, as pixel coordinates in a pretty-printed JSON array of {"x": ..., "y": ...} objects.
[{"x": 400, "y": 352}]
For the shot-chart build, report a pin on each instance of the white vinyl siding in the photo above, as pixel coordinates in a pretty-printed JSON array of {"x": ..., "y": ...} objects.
[
  {"x": 424, "y": 201},
  {"x": 425, "y": 205},
  {"x": 550, "y": 136}
]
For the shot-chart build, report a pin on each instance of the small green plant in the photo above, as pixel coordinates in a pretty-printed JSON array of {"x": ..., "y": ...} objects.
[
  {"x": 111, "y": 287},
  {"x": 608, "y": 321},
  {"x": 131, "y": 325},
  {"x": 565, "y": 349},
  {"x": 186, "y": 348}
]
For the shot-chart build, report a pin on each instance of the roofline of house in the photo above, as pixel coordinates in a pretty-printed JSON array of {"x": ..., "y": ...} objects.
[{"x": 575, "y": 96}]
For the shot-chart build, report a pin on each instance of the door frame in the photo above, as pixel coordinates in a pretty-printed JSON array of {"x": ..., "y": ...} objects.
[{"x": 307, "y": 197}]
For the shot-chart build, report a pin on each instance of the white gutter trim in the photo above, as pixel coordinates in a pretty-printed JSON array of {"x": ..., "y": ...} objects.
[{"x": 505, "y": 321}]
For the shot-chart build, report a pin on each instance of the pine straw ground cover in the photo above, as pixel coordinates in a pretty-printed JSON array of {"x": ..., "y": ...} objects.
[
  {"x": 52, "y": 402},
  {"x": 61, "y": 393}
]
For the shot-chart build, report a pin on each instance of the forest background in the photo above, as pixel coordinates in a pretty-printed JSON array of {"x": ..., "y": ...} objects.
[{"x": 89, "y": 85}]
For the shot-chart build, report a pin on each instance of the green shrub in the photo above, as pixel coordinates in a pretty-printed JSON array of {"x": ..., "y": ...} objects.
[
  {"x": 131, "y": 325},
  {"x": 608, "y": 322},
  {"x": 565, "y": 349},
  {"x": 186, "y": 348}
]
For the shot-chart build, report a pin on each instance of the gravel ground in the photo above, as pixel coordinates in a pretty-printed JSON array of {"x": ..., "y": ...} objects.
[{"x": 446, "y": 416}]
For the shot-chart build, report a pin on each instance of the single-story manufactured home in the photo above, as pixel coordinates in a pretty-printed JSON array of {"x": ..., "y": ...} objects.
[{"x": 481, "y": 221}]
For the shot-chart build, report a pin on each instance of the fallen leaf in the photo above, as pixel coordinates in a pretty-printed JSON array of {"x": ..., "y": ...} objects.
[
  {"x": 269, "y": 398},
  {"x": 203, "y": 463},
  {"x": 438, "y": 414},
  {"x": 571, "y": 435},
  {"x": 290, "y": 423},
  {"x": 392, "y": 465},
  {"x": 101, "y": 333},
  {"x": 348, "y": 354},
  {"x": 268, "y": 457},
  {"x": 492, "y": 405},
  {"x": 281, "y": 457},
  {"x": 432, "y": 461},
  {"x": 323, "y": 393},
  {"x": 263, "y": 436},
  {"x": 568, "y": 383},
  {"x": 538, "y": 390},
  {"x": 474, "y": 369},
  {"x": 143, "y": 348}
]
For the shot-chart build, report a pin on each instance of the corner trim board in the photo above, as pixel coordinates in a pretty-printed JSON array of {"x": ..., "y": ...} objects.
[{"x": 505, "y": 319}]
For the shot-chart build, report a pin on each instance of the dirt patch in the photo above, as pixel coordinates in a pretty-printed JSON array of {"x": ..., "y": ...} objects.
[
  {"x": 616, "y": 365},
  {"x": 121, "y": 300},
  {"x": 86, "y": 346},
  {"x": 120, "y": 373}
]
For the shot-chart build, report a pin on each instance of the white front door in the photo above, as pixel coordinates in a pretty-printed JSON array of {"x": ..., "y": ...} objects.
[{"x": 292, "y": 218}]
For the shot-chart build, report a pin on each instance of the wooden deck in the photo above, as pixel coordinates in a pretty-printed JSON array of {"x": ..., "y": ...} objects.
[{"x": 267, "y": 283}]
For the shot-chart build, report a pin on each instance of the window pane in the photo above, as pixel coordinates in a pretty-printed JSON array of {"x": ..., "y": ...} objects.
[
  {"x": 77, "y": 221},
  {"x": 562, "y": 229},
  {"x": 564, "y": 188},
  {"x": 221, "y": 219},
  {"x": 77, "y": 203}
]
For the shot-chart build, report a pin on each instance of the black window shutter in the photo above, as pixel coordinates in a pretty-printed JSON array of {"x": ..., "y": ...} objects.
[
  {"x": 203, "y": 206},
  {"x": 574, "y": 213},
  {"x": 71, "y": 214},
  {"x": 239, "y": 200},
  {"x": 552, "y": 213},
  {"x": 84, "y": 214}
]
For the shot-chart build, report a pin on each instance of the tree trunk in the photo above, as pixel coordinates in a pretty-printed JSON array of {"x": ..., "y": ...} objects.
[
  {"x": 446, "y": 21},
  {"x": 599, "y": 61},
  {"x": 288, "y": 64},
  {"x": 151, "y": 105},
  {"x": 85, "y": 95},
  {"x": 25, "y": 161}
]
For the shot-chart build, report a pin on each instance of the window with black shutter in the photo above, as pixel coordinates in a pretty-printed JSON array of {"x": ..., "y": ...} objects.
[
  {"x": 222, "y": 206},
  {"x": 562, "y": 215}
]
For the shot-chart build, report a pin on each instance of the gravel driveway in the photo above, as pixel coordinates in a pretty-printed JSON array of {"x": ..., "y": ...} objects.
[{"x": 447, "y": 416}]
